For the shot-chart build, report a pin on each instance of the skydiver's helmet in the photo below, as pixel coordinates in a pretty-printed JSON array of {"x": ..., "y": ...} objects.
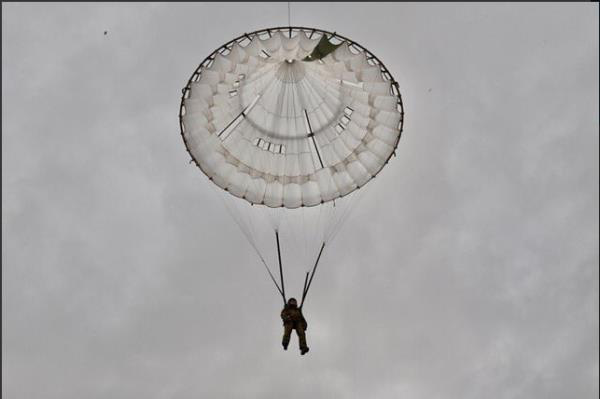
[{"x": 292, "y": 303}]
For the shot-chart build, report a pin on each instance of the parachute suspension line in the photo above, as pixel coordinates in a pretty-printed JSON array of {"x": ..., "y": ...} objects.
[
  {"x": 245, "y": 230},
  {"x": 272, "y": 278},
  {"x": 338, "y": 221},
  {"x": 235, "y": 215},
  {"x": 289, "y": 18},
  {"x": 352, "y": 204},
  {"x": 249, "y": 220},
  {"x": 304, "y": 288},
  {"x": 280, "y": 267},
  {"x": 312, "y": 275},
  {"x": 319, "y": 228},
  {"x": 244, "y": 220},
  {"x": 304, "y": 236}
]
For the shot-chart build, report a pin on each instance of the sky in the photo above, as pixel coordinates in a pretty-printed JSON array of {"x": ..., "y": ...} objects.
[{"x": 469, "y": 270}]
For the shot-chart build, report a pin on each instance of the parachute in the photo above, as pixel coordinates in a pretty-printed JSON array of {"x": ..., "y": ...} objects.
[{"x": 289, "y": 124}]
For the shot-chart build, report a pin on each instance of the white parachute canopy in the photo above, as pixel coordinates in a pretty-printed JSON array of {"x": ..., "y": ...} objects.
[{"x": 289, "y": 122}]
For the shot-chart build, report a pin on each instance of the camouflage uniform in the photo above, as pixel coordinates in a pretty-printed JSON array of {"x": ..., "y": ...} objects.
[{"x": 294, "y": 320}]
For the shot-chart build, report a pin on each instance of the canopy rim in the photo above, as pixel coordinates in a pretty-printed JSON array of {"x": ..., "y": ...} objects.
[{"x": 394, "y": 90}]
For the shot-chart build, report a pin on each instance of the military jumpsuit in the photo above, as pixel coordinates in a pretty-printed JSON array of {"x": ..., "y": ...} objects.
[{"x": 294, "y": 320}]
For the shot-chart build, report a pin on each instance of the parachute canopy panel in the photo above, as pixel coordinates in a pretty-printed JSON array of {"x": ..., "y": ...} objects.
[{"x": 269, "y": 124}]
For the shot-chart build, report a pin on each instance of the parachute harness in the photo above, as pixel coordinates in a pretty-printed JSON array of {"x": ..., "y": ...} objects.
[{"x": 307, "y": 280}]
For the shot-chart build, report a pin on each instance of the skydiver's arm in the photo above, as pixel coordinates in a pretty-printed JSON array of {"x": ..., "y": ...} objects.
[{"x": 285, "y": 315}]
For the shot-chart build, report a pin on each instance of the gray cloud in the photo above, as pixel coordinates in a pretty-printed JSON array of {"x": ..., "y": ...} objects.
[{"x": 470, "y": 269}]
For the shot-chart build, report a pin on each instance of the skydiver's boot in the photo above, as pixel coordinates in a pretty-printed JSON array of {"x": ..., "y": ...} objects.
[
  {"x": 285, "y": 345},
  {"x": 304, "y": 350}
]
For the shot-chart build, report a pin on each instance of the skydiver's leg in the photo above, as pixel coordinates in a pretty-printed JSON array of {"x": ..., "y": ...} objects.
[
  {"x": 301, "y": 339},
  {"x": 287, "y": 332}
]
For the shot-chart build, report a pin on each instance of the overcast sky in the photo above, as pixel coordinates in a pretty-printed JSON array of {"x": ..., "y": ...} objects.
[{"x": 470, "y": 269}]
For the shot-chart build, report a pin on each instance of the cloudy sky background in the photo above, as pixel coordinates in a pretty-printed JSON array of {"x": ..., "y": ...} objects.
[{"x": 470, "y": 269}]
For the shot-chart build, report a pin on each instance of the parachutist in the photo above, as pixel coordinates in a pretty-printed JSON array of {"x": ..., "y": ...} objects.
[
  {"x": 249, "y": 139},
  {"x": 293, "y": 319}
]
